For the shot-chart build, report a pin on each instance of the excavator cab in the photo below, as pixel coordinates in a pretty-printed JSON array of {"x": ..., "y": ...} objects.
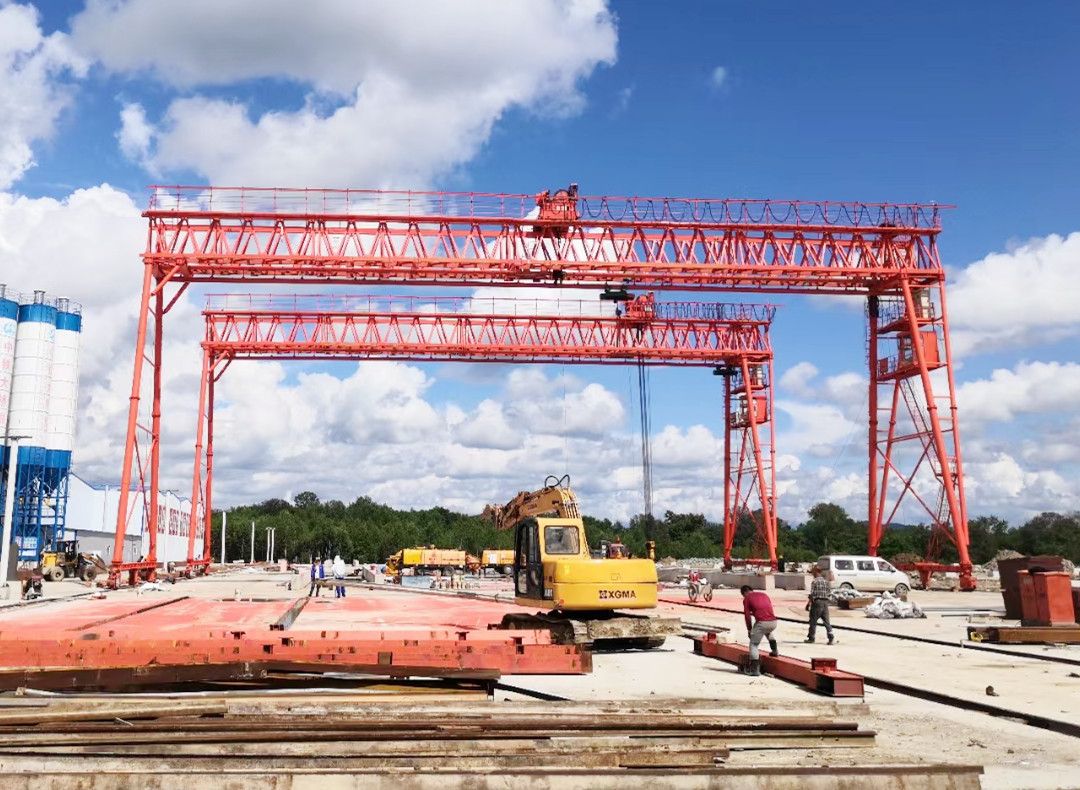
[
  {"x": 528, "y": 568},
  {"x": 541, "y": 540},
  {"x": 554, "y": 568}
]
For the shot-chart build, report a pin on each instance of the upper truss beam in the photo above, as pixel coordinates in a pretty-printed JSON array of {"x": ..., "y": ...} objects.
[
  {"x": 680, "y": 333},
  {"x": 203, "y": 234}
]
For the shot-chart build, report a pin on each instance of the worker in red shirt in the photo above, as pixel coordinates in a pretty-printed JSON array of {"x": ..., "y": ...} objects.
[{"x": 760, "y": 623}]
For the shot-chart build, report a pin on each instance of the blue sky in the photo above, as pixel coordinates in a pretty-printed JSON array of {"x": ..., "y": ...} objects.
[
  {"x": 917, "y": 102},
  {"x": 968, "y": 104}
]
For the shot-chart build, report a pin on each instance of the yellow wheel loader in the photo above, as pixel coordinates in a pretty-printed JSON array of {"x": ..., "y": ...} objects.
[{"x": 67, "y": 561}]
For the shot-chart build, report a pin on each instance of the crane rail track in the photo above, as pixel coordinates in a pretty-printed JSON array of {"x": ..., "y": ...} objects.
[
  {"x": 908, "y": 637},
  {"x": 1030, "y": 719},
  {"x": 1024, "y": 717}
]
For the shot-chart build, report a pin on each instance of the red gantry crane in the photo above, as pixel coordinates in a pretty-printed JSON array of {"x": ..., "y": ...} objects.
[
  {"x": 885, "y": 254},
  {"x": 733, "y": 338}
]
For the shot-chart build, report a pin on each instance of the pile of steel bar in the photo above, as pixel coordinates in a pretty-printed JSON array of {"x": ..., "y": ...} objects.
[
  {"x": 41, "y": 663},
  {"x": 132, "y": 643},
  {"x": 818, "y": 674},
  {"x": 1025, "y": 634},
  {"x": 259, "y": 742}
]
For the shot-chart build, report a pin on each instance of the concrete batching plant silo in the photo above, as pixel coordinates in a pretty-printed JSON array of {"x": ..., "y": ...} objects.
[
  {"x": 43, "y": 395},
  {"x": 64, "y": 386},
  {"x": 9, "y": 321},
  {"x": 60, "y": 423}
]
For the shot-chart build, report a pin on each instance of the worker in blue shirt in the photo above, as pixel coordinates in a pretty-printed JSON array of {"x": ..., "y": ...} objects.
[{"x": 318, "y": 564}]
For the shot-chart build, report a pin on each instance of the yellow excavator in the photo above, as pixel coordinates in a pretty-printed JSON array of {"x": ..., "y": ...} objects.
[{"x": 581, "y": 596}]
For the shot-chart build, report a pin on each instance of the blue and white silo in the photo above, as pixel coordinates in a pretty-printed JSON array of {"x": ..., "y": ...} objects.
[
  {"x": 28, "y": 412},
  {"x": 9, "y": 322},
  {"x": 60, "y": 422},
  {"x": 64, "y": 386}
]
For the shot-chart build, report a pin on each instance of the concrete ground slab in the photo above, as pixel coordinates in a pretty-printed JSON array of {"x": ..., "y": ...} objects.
[{"x": 1016, "y": 755}]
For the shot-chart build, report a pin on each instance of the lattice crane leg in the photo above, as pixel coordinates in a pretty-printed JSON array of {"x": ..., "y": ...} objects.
[
  {"x": 136, "y": 463},
  {"x": 917, "y": 456},
  {"x": 749, "y": 457},
  {"x": 142, "y": 465}
]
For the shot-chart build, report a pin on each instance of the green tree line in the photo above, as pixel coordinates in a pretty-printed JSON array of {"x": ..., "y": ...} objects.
[{"x": 370, "y": 532}]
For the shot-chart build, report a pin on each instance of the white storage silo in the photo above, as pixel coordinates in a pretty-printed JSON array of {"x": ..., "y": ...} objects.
[
  {"x": 64, "y": 387},
  {"x": 31, "y": 375},
  {"x": 9, "y": 321}
]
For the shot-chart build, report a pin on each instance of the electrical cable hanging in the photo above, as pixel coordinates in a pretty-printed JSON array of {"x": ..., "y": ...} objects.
[{"x": 646, "y": 433}]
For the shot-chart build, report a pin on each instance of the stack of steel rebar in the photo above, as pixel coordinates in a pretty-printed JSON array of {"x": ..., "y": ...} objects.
[{"x": 376, "y": 738}]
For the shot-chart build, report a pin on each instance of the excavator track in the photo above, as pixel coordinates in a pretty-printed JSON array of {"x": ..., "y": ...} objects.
[{"x": 597, "y": 629}]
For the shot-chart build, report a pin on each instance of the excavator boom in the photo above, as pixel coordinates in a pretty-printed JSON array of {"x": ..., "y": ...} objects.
[{"x": 552, "y": 500}]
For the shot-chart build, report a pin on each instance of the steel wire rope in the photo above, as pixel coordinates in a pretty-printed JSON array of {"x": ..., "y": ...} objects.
[
  {"x": 838, "y": 459},
  {"x": 565, "y": 436},
  {"x": 633, "y": 404},
  {"x": 646, "y": 438}
]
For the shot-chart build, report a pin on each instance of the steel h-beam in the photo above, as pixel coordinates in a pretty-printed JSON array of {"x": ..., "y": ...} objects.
[
  {"x": 732, "y": 336},
  {"x": 885, "y": 252}
]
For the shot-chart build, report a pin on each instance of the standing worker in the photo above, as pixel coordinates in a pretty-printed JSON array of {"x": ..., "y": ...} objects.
[
  {"x": 321, "y": 571},
  {"x": 758, "y": 607},
  {"x": 338, "y": 570},
  {"x": 818, "y": 605}
]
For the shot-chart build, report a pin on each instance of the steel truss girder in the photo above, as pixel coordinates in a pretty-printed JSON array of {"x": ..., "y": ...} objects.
[
  {"x": 486, "y": 338},
  {"x": 210, "y": 234},
  {"x": 206, "y": 234},
  {"x": 764, "y": 260},
  {"x": 741, "y": 345}
]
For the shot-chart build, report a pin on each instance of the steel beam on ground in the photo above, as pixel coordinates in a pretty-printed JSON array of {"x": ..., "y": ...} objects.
[
  {"x": 196, "y": 773},
  {"x": 396, "y": 658},
  {"x": 819, "y": 674},
  {"x": 299, "y": 740},
  {"x": 122, "y": 615},
  {"x": 286, "y": 620},
  {"x": 1025, "y": 634}
]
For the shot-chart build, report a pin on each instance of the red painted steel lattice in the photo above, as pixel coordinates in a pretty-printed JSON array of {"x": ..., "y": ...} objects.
[
  {"x": 214, "y": 234},
  {"x": 726, "y": 336},
  {"x": 883, "y": 252}
]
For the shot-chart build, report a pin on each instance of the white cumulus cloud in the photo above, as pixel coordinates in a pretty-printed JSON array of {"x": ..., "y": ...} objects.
[
  {"x": 136, "y": 135},
  {"x": 798, "y": 380},
  {"x": 33, "y": 92},
  {"x": 999, "y": 484},
  {"x": 1024, "y": 296},
  {"x": 400, "y": 92},
  {"x": 1028, "y": 388}
]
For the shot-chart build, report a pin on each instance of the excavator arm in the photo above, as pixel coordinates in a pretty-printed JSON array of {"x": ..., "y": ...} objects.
[{"x": 556, "y": 498}]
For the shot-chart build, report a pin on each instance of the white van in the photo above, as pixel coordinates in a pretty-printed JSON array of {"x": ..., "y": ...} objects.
[{"x": 869, "y": 574}]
